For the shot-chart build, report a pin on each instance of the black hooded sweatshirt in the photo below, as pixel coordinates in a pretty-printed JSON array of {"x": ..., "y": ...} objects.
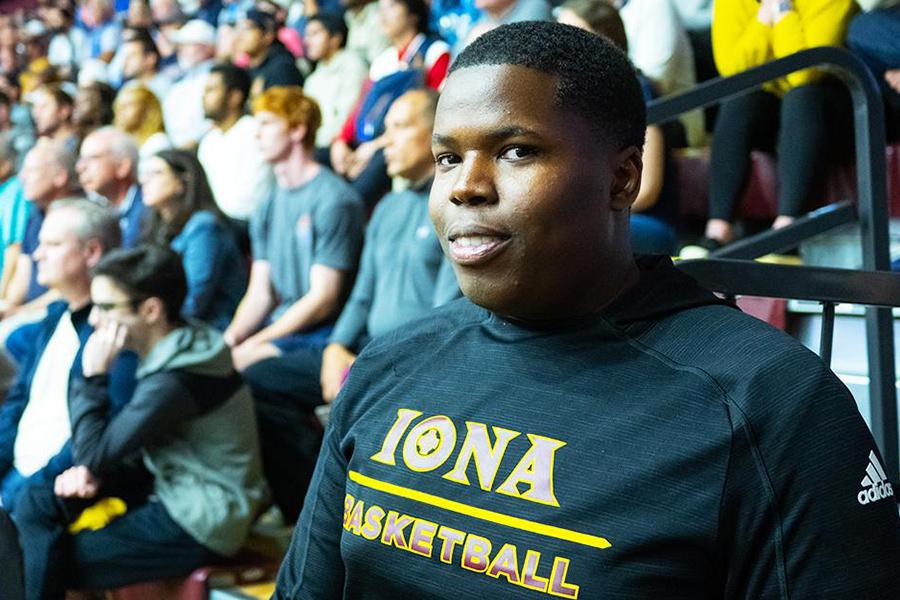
[{"x": 669, "y": 447}]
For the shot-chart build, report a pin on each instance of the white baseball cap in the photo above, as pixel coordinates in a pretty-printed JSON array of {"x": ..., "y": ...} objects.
[{"x": 195, "y": 31}]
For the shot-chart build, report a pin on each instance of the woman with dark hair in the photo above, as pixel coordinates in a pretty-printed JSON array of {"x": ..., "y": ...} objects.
[{"x": 185, "y": 217}]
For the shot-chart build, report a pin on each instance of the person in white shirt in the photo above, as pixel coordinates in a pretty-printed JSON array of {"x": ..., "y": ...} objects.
[
  {"x": 338, "y": 77},
  {"x": 237, "y": 173},
  {"x": 183, "y": 105}
]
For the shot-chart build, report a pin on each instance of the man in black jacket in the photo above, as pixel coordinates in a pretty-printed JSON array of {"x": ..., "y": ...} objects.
[{"x": 583, "y": 424}]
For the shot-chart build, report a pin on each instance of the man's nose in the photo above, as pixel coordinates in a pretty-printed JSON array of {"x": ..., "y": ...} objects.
[{"x": 474, "y": 183}]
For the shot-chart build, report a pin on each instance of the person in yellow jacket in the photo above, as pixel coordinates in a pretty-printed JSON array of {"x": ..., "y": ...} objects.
[{"x": 795, "y": 116}]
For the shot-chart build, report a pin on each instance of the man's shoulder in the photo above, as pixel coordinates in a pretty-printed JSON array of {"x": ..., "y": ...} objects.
[
  {"x": 418, "y": 333},
  {"x": 330, "y": 189}
]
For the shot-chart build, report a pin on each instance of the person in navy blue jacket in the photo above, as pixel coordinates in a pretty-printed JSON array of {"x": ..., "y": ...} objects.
[{"x": 34, "y": 420}]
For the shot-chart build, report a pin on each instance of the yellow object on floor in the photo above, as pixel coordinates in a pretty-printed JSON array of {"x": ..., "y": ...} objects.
[{"x": 98, "y": 515}]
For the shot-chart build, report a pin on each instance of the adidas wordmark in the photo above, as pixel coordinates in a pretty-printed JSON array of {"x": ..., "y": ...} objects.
[{"x": 875, "y": 483}]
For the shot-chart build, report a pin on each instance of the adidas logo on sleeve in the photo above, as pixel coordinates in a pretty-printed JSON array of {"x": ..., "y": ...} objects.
[{"x": 875, "y": 483}]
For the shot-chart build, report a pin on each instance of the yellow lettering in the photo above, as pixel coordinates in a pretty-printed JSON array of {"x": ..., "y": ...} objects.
[
  {"x": 535, "y": 470},
  {"x": 505, "y": 563},
  {"x": 558, "y": 585},
  {"x": 429, "y": 444},
  {"x": 476, "y": 551},
  {"x": 450, "y": 539},
  {"x": 421, "y": 540},
  {"x": 477, "y": 446},
  {"x": 372, "y": 528},
  {"x": 392, "y": 439},
  {"x": 530, "y": 578}
]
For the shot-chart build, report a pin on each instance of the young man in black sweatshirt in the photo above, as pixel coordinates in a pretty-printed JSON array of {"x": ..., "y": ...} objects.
[{"x": 584, "y": 424}]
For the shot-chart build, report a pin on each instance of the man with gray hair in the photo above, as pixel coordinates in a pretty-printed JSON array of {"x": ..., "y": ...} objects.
[
  {"x": 34, "y": 420},
  {"x": 107, "y": 168},
  {"x": 47, "y": 174}
]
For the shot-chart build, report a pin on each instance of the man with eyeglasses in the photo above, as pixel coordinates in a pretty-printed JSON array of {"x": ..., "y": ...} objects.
[
  {"x": 34, "y": 420},
  {"x": 190, "y": 421}
]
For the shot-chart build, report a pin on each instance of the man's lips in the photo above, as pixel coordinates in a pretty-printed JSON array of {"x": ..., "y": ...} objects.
[{"x": 474, "y": 245}]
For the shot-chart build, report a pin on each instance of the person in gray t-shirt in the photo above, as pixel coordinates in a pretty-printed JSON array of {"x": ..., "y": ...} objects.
[
  {"x": 403, "y": 274},
  {"x": 306, "y": 238}
]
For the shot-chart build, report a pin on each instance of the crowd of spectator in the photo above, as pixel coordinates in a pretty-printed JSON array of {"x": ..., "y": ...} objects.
[{"x": 208, "y": 208}]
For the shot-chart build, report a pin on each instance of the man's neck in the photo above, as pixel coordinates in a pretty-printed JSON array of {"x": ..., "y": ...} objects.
[
  {"x": 154, "y": 336},
  {"x": 118, "y": 192},
  {"x": 296, "y": 169},
  {"x": 77, "y": 294},
  {"x": 229, "y": 121},
  {"x": 63, "y": 132},
  {"x": 403, "y": 40},
  {"x": 257, "y": 60}
]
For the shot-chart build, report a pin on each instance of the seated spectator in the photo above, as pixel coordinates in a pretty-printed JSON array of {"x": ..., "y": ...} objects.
[
  {"x": 15, "y": 118},
  {"x": 141, "y": 63},
  {"x": 306, "y": 237},
  {"x": 65, "y": 41},
  {"x": 93, "y": 107},
  {"x": 48, "y": 175},
  {"x": 139, "y": 114},
  {"x": 51, "y": 110},
  {"x": 654, "y": 211},
  {"x": 269, "y": 62},
  {"x": 184, "y": 216},
  {"x": 191, "y": 421},
  {"x": 365, "y": 36},
  {"x": 101, "y": 29},
  {"x": 659, "y": 46},
  {"x": 499, "y": 12},
  {"x": 35, "y": 37},
  {"x": 107, "y": 169},
  {"x": 14, "y": 209},
  {"x": 183, "y": 104},
  {"x": 34, "y": 420},
  {"x": 339, "y": 75},
  {"x": 402, "y": 275},
  {"x": 873, "y": 37},
  {"x": 414, "y": 58},
  {"x": 237, "y": 173},
  {"x": 799, "y": 116}
]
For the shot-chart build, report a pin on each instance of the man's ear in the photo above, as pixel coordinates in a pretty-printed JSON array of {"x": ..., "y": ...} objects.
[
  {"x": 94, "y": 251},
  {"x": 626, "y": 180},
  {"x": 298, "y": 133},
  {"x": 152, "y": 310},
  {"x": 124, "y": 169}
]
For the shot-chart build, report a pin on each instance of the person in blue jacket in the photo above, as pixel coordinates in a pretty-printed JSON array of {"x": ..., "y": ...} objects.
[
  {"x": 34, "y": 421},
  {"x": 184, "y": 216}
]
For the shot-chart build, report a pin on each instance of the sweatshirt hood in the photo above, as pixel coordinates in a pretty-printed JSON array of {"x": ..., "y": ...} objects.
[
  {"x": 195, "y": 348},
  {"x": 661, "y": 290}
]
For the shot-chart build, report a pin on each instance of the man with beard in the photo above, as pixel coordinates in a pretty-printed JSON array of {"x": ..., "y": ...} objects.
[
  {"x": 236, "y": 171},
  {"x": 51, "y": 112}
]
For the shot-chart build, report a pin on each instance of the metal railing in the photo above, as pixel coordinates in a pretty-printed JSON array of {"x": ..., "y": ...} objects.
[{"x": 744, "y": 277}]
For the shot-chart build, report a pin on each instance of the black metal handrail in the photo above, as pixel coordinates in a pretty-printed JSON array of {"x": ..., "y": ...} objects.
[{"x": 872, "y": 212}]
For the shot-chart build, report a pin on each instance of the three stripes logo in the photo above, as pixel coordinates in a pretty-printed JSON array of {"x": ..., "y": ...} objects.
[{"x": 875, "y": 483}]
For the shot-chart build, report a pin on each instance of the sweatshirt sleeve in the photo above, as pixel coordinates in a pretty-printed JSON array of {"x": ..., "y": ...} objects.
[
  {"x": 797, "y": 516},
  {"x": 160, "y": 404},
  {"x": 312, "y": 568},
  {"x": 739, "y": 40},
  {"x": 821, "y": 24}
]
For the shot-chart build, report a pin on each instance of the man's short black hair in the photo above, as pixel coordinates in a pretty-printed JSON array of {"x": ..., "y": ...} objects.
[
  {"x": 142, "y": 36},
  {"x": 147, "y": 271},
  {"x": 234, "y": 78},
  {"x": 333, "y": 24},
  {"x": 594, "y": 78}
]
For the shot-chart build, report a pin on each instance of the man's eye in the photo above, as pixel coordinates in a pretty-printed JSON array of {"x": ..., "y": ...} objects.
[
  {"x": 517, "y": 152},
  {"x": 446, "y": 160}
]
